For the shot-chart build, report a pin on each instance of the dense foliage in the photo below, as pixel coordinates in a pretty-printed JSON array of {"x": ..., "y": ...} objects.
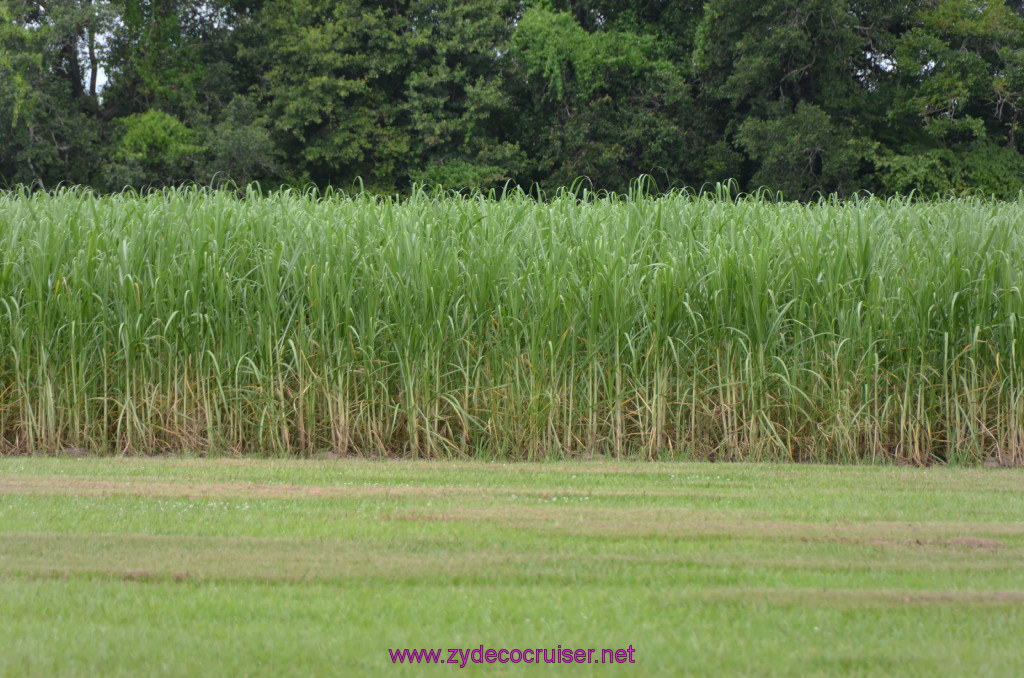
[
  {"x": 803, "y": 96},
  {"x": 438, "y": 325}
]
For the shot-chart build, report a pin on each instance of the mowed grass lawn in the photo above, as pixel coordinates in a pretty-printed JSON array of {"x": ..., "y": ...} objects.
[{"x": 224, "y": 567}]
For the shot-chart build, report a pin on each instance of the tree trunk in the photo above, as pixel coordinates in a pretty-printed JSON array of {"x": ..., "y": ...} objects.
[
  {"x": 93, "y": 66},
  {"x": 73, "y": 69}
]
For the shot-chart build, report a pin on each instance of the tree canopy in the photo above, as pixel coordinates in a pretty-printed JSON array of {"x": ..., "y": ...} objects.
[{"x": 806, "y": 97}]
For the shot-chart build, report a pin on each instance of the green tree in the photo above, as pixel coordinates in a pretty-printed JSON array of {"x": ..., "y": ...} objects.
[
  {"x": 177, "y": 96},
  {"x": 48, "y": 101},
  {"x": 239, "y": 149},
  {"x": 390, "y": 92},
  {"x": 749, "y": 56},
  {"x": 808, "y": 97},
  {"x": 454, "y": 94},
  {"x": 959, "y": 73},
  {"x": 977, "y": 168},
  {"x": 797, "y": 79},
  {"x": 171, "y": 55},
  {"x": 804, "y": 153},
  {"x": 154, "y": 149},
  {"x": 608, "y": 105}
]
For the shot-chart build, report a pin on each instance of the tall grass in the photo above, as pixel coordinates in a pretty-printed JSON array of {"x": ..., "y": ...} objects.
[{"x": 678, "y": 327}]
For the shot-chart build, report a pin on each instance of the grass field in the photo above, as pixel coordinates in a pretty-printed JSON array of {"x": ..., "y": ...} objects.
[
  {"x": 440, "y": 326},
  {"x": 288, "y": 568}
]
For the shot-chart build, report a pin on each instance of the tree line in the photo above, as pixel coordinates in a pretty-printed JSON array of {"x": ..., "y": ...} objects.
[{"x": 805, "y": 97}]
